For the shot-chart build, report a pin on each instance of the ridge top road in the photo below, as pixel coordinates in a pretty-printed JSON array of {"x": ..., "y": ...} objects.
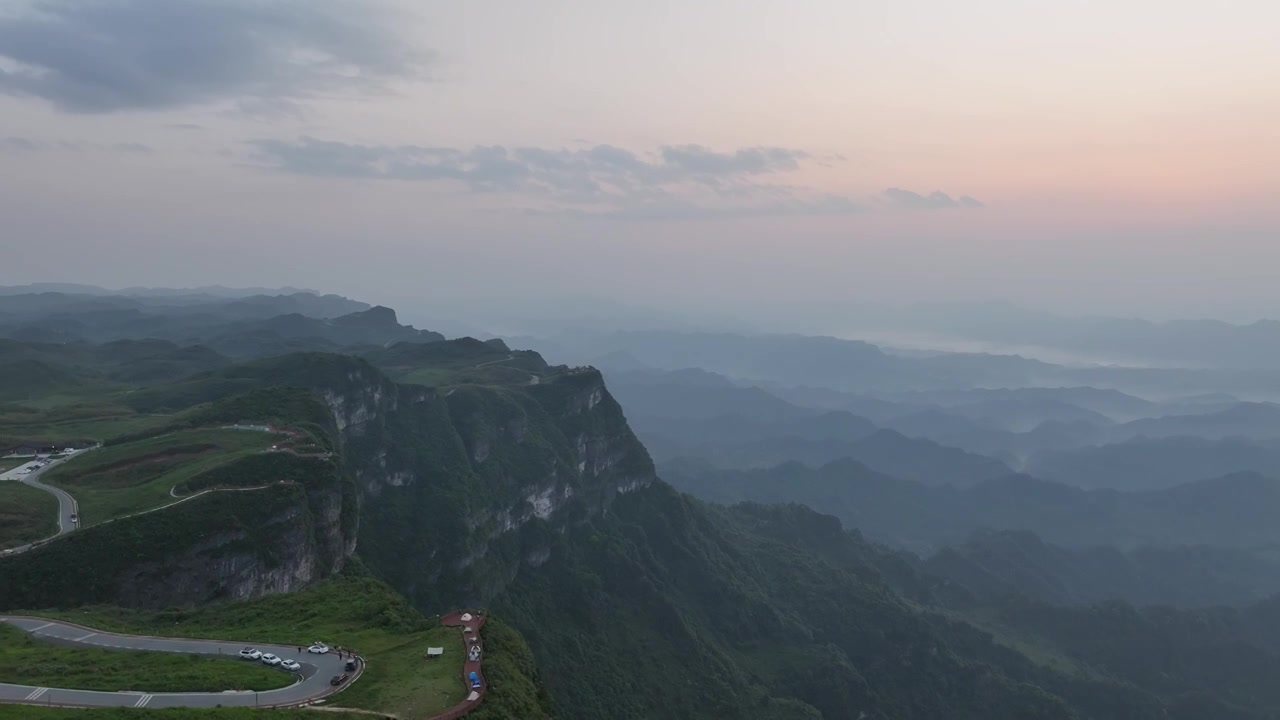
[{"x": 313, "y": 685}]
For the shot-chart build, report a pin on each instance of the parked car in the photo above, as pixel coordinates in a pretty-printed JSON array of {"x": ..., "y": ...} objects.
[
  {"x": 270, "y": 659},
  {"x": 338, "y": 679},
  {"x": 318, "y": 648},
  {"x": 250, "y": 654},
  {"x": 290, "y": 665},
  {"x": 351, "y": 666}
]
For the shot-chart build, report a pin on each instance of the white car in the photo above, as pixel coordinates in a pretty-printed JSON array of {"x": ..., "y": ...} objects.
[
  {"x": 250, "y": 654},
  {"x": 318, "y": 649},
  {"x": 291, "y": 665},
  {"x": 270, "y": 659}
]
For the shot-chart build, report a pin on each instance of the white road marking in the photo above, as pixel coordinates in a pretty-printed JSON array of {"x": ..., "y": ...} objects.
[{"x": 143, "y": 700}]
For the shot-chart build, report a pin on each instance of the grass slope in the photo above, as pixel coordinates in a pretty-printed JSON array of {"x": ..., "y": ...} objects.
[
  {"x": 26, "y": 514},
  {"x": 121, "y": 479},
  {"x": 353, "y": 612},
  {"x": 28, "y": 661},
  {"x": 72, "y": 424}
]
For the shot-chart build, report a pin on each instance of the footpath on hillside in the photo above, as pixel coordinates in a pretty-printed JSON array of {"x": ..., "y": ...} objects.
[{"x": 472, "y": 677}]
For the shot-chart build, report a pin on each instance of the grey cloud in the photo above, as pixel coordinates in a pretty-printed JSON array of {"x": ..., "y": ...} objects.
[
  {"x": 602, "y": 180},
  {"x": 19, "y": 144},
  {"x": 110, "y": 55},
  {"x": 796, "y": 205},
  {"x": 269, "y": 109},
  {"x": 22, "y": 144},
  {"x": 933, "y": 201},
  {"x": 698, "y": 159}
]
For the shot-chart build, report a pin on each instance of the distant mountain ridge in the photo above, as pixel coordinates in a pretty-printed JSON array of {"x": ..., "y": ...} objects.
[
  {"x": 693, "y": 414},
  {"x": 239, "y": 325},
  {"x": 1144, "y": 463},
  {"x": 995, "y": 564},
  {"x": 469, "y": 473},
  {"x": 1189, "y": 343},
  {"x": 1233, "y": 511},
  {"x": 205, "y": 290},
  {"x": 859, "y": 367}
]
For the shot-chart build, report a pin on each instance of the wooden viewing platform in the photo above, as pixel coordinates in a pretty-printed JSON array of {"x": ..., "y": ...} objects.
[{"x": 474, "y": 695}]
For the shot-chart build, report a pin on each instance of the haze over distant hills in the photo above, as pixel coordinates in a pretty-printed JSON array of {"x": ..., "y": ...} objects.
[
  {"x": 853, "y": 366},
  {"x": 963, "y": 510},
  {"x": 1182, "y": 343},
  {"x": 142, "y": 292}
]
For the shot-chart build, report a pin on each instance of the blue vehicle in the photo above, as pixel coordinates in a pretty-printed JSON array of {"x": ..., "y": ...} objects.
[{"x": 474, "y": 678}]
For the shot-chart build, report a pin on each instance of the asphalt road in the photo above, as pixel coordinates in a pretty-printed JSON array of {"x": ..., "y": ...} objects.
[
  {"x": 314, "y": 683},
  {"x": 67, "y": 506}
]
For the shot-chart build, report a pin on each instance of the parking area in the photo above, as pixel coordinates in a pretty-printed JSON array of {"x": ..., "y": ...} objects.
[{"x": 321, "y": 670}]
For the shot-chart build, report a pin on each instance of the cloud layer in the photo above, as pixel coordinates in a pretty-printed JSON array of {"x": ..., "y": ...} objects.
[
  {"x": 673, "y": 181},
  {"x": 936, "y": 200},
  {"x": 14, "y": 144},
  {"x": 110, "y": 55}
]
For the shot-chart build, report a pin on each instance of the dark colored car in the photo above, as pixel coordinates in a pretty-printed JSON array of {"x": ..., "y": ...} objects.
[
  {"x": 351, "y": 665},
  {"x": 338, "y": 679}
]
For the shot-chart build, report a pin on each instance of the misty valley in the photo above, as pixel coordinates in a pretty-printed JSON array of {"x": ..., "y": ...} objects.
[
  {"x": 618, "y": 360},
  {"x": 651, "y": 523}
]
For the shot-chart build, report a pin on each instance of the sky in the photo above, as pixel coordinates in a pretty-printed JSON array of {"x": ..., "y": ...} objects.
[{"x": 732, "y": 158}]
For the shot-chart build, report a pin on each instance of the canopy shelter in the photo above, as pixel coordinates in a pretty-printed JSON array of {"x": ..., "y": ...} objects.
[{"x": 434, "y": 652}]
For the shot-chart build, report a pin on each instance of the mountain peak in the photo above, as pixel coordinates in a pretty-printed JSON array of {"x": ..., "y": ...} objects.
[{"x": 378, "y": 315}]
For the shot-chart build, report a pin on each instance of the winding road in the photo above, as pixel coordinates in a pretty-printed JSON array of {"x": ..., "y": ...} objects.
[
  {"x": 313, "y": 677},
  {"x": 313, "y": 685},
  {"x": 67, "y": 506}
]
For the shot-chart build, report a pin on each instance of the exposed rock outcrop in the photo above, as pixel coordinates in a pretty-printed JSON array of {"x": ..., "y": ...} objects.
[{"x": 462, "y": 488}]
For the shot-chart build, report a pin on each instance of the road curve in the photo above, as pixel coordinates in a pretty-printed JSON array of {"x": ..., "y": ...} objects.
[
  {"x": 67, "y": 506},
  {"x": 316, "y": 671}
]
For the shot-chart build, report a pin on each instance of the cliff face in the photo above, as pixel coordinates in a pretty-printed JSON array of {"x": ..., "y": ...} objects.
[
  {"x": 452, "y": 492},
  {"x": 223, "y": 545},
  {"x": 300, "y": 540},
  {"x": 462, "y": 488}
]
